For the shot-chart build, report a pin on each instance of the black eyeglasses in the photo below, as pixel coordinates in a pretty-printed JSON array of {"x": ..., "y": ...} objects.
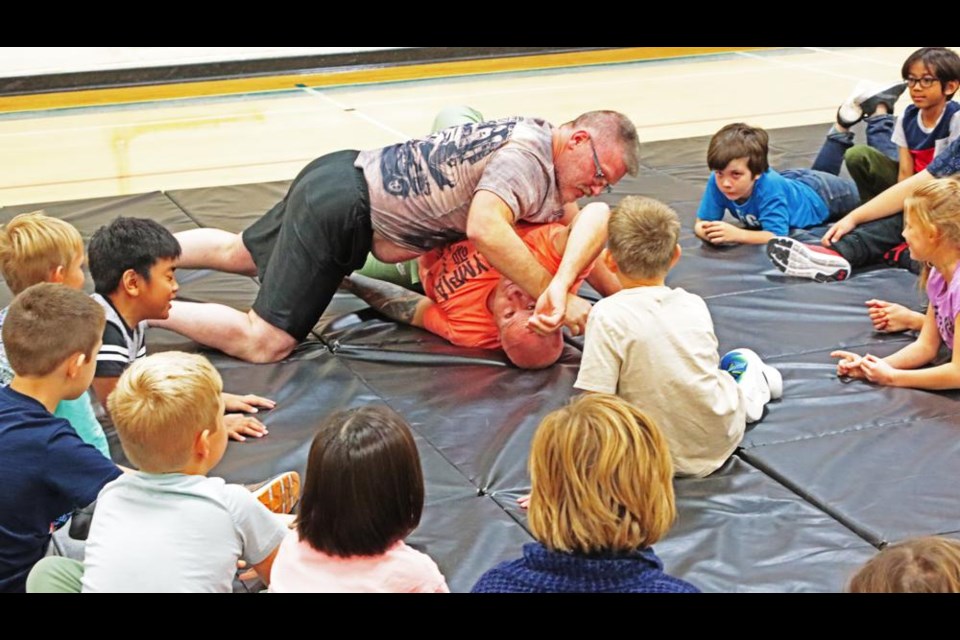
[
  {"x": 600, "y": 175},
  {"x": 925, "y": 82}
]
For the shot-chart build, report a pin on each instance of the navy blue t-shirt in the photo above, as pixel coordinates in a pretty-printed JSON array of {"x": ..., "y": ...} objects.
[{"x": 46, "y": 471}]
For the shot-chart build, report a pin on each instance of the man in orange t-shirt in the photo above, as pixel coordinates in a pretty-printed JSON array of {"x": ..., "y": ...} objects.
[{"x": 470, "y": 304}]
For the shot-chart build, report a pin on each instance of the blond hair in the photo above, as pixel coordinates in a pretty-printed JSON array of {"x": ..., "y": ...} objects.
[
  {"x": 643, "y": 235},
  {"x": 936, "y": 206},
  {"x": 160, "y": 404},
  {"x": 46, "y": 324},
  {"x": 34, "y": 244},
  {"x": 602, "y": 478},
  {"x": 921, "y": 565}
]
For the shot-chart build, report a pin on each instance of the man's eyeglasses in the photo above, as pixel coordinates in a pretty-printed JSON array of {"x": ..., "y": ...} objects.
[
  {"x": 925, "y": 82},
  {"x": 599, "y": 175}
]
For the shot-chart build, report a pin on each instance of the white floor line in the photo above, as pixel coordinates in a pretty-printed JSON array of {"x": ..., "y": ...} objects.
[
  {"x": 400, "y": 134},
  {"x": 844, "y": 54},
  {"x": 803, "y": 67}
]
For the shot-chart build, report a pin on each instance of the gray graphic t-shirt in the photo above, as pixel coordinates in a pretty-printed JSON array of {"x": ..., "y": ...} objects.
[{"x": 420, "y": 190}]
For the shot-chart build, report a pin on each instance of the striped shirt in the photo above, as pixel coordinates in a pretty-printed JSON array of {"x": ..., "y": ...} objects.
[{"x": 121, "y": 344}]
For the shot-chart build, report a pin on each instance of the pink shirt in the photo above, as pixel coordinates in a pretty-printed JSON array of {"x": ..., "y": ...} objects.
[
  {"x": 946, "y": 303},
  {"x": 299, "y": 568}
]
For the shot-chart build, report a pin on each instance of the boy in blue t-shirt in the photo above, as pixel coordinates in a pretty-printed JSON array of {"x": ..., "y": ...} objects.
[
  {"x": 51, "y": 334},
  {"x": 766, "y": 202}
]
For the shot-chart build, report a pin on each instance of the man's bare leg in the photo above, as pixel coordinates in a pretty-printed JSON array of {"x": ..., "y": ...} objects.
[
  {"x": 242, "y": 335},
  {"x": 215, "y": 249}
]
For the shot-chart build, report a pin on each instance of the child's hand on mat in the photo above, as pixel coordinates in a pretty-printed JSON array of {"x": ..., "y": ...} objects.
[
  {"x": 524, "y": 501},
  {"x": 877, "y": 370},
  {"x": 890, "y": 317},
  {"x": 239, "y": 425},
  {"x": 837, "y": 230},
  {"x": 848, "y": 365},
  {"x": 720, "y": 232},
  {"x": 246, "y": 404}
]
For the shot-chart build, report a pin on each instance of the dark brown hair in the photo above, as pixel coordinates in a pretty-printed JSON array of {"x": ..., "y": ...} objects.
[
  {"x": 364, "y": 486},
  {"x": 739, "y": 140},
  {"x": 942, "y": 62},
  {"x": 46, "y": 324}
]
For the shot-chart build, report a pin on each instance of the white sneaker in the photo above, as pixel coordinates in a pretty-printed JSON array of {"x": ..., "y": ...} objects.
[
  {"x": 760, "y": 382},
  {"x": 864, "y": 100},
  {"x": 811, "y": 261}
]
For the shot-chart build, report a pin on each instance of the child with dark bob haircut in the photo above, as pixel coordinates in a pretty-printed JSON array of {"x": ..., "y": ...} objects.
[{"x": 363, "y": 494}]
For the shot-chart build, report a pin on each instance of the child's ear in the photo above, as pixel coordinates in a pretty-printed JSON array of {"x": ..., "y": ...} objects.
[
  {"x": 951, "y": 87},
  {"x": 677, "y": 252},
  {"x": 201, "y": 444},
  {"x": 75, "y": 363},
  {"x": 130, "y": 282},
  {"x": 608, "y": 260},
  {"x": 57, "y": 275}
]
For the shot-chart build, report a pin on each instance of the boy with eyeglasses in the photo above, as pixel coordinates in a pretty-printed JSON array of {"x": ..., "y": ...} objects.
[{"x": 897, "y": 148}]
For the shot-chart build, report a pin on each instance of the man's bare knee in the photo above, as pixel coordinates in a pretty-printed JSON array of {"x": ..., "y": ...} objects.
[{"x": 267, "y": 343}]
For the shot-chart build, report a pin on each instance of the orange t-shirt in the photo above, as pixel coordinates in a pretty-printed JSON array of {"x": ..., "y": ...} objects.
[{"x": 459, "y": 280}]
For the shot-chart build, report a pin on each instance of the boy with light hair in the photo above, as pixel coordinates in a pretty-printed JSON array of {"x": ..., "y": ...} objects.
[
  {"x": 168, "y": 410},
  {"x": 46, "y": 469},
  {"x": 654, "y": 346},
  {"x": 36, "y": 248}
]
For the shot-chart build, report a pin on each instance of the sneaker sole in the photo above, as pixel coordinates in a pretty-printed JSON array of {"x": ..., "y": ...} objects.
[
  {"x": 281, "y": 494},
  {"x": 793, "y": 258}
]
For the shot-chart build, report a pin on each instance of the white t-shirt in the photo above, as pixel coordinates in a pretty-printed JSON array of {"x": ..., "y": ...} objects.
[
  {"x": 299, "y": 568},
  {"x": 175, "y": 533},
  {"x": 655, "y": 347}
]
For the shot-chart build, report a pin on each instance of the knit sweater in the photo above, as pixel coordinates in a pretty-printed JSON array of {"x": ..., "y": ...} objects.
[{"x": 541, "y": 570}]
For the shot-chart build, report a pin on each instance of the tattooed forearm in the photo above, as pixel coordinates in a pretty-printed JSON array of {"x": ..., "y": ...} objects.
[{"x": 391, "y": 300}]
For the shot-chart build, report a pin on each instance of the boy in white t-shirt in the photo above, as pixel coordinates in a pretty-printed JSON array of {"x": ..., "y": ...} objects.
[
  {"x": 654, "y": 346},
  {"x": 168, "y": 527}
]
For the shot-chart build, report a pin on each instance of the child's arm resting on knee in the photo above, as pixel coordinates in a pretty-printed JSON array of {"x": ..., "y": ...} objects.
[{"x": 885, "y": 204}]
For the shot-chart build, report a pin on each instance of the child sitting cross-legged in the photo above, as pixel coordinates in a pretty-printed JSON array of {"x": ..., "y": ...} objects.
[
  {"x": 654, "y": 346},
  {"x": 51, "y": 334},
  {"x": 602, "y": 496},
  {"x": 133, "y": 262},
  {"x": 932, "y": 231},
  {"x": 363, "y": 494},
  {"x": 168, "y": 527},
  {"x": 36, "y": 248}
]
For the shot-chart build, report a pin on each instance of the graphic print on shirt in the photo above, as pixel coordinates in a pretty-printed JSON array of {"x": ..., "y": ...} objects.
[
  {"x": 408, "y": 168},
  {"x": 466, "y": 265},
  {"x": 751, "y": 221}
]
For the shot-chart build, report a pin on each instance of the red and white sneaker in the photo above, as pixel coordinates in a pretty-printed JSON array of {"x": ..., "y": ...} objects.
[{"x": 801, "y": 260}]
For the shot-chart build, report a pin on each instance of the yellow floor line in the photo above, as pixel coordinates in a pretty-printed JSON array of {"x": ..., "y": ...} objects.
[{"x": 149, "y": 93}]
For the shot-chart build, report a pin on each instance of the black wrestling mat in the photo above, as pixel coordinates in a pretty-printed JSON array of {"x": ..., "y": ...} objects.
[{"x": 832, "y": 472}]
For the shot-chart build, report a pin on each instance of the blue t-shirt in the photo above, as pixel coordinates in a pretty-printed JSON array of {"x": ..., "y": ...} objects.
[
  {"x": 46, "y": 471},
  {"x": 777, "y": 205}
]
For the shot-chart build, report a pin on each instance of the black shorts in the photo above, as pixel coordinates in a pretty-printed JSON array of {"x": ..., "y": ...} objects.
[{"x": 305, "y": 245}]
